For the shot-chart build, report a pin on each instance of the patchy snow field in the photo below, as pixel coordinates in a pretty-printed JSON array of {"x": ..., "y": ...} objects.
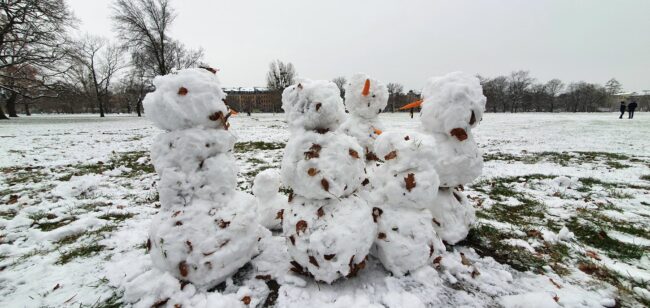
[{"x": 563, "y": 207}]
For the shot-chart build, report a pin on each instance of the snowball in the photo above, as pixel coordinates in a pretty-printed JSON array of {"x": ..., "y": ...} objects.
[
  {"x": 450, "y": 101},
  {"x": 329, "y": 239},
  {"x": 185, "y": 99},
  {"x": 457, "y": 163},
  {"x": 269, "y": 201},
  {"x": 322, "y": 166},
  {"x": 453, "y": 215},
  {"x": 406, "y": 239},
  {"x": 206, "y": 241},
  {"x": 366, "y": 105},
  {"x": 313, "y": 104},
  {"x": 364, "y": 131}
]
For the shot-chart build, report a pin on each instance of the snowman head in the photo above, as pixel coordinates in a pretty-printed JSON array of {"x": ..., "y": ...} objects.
[
  {"x": 187, "y": 98},
  {"x": 313, "y": 105},
  {"x": 365, "y": 97},
  {"x": 452, "y": 104}
]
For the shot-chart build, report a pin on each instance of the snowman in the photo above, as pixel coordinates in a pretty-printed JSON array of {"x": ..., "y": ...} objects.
[
  {"x": 205, "y": 230},
  {"x": 452, "y": 105},
  {"x": 403, "y": 188},
  {"x": 270, "y": 203},
  {"x": 365, "y": 99},
  {"x": 329, "y": 230}
]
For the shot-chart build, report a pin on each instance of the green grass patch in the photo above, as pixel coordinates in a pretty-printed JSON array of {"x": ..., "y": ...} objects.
[
  {"x": 595, "y": 236},
  {"x": 242, "y": 147},
  {"x": 645, "y": 177},
  {"x": 116, "y": 216},
  {"x": 70, "y": 239},
  {"x": 127, "y": 159},
  {"x": 488, "y": 242},
  {"x": 51, "y": 225},
  {"x": 80, "y": 252},
  {"x": 617, "y": 165}
]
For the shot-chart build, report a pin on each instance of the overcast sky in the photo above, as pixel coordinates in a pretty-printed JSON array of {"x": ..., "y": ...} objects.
[{"x": 409, "y": 41}]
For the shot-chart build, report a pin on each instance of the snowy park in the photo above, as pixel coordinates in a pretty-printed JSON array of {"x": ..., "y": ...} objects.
[{"x": 562, "y": 213}]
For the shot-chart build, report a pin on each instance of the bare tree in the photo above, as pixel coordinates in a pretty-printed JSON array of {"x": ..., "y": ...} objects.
[
  {"x": 395, "y": 93},
  {"x": 97, "y": 61},
  {"x": 143, "y": 27},
  {"x": 518, "y": 84},
  {"x": 613, "y": 87},
  {"x": 495, "y": 90},
  {"x": 280, "y": 75},
  {"x": 33, "y": 33},
  {"x": 340, "y": 83},
  {"x": 553, "y": 88}
]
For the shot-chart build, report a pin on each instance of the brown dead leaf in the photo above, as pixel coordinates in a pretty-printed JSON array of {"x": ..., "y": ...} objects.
[
  {"x": 376, "y": 213},
  {"x": 381, "y": 235},
  {"x": 263, "y": 277},
  {"x": 280, "y": 214},
  {"x": 320, "y": 212},
  {"x": 301, "y": 226},
  {"x": 370, "y": 156},
  {"x": 223, "y": 223},
  {"x": 293, "y": 240},
  {"x": 182, "y": 91},
  {"x": 12, "y": 199},
  {"x": 318, "y": 105},
  {"x": 458, "y": 198},
  {"x": 56, "y": 287},
  {"x": 475, "y": 273},
  {"x": 148, "y": 245},
  {"x": 407, "y": 138},
  {"x": 325, "y": 184},
  {"x": 555, "y": 283},
  {"x": 290, "y": 197},
  {"x": 410, "y": 181},
  {"x": 391, "y": 155},
  {"x": 592, "y": 254},
  {"x": 436, "y": 222},
  {"x": 189, "y": 245},
  {"x": 246, "y": 300},
  {"x": 353, "y": 153},
  {"x": 556, "y": 298},
  {"x": 329, "y": 257},
  {"x": 437, "y": 260},
  {"x": 313, "y": 261},
  {"x": 459, "y": 133},
  {"x": 365, "y": 182},
  {"x": 313, "y": 171},
  {"x": 183, "y": 268}
]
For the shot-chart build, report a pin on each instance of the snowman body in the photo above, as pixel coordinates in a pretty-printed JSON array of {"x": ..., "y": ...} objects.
[
  {"x": 205, "y": 230},
  {"x": 329, "y": 230}
]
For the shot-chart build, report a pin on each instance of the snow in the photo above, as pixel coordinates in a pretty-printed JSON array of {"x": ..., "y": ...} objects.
[{"x": 55, "y": 145}]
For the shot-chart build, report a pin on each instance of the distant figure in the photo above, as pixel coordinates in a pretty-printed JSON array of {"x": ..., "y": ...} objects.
[
  {"x": 622, "y": 108},
  {"x": 630, "y": 109}
]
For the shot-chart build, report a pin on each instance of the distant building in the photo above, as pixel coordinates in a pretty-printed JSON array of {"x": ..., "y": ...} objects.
[{"x": 253, "y": 99}]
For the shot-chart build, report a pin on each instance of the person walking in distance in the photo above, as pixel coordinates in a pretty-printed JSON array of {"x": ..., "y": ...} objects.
[
  {"x": 630, "y": 109},
  {"x": 622, "y": 109}
]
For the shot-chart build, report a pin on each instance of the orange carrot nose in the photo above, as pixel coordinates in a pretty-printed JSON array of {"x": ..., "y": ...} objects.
[
  {"x": 412, "y": 105},
  {"x": 377, "y": 131},
  {"x": 366, "y": 88}
]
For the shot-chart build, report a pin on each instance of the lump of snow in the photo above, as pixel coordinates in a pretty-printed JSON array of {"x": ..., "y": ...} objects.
[
  {"x": 270, "y": 203},
  {"x": 313, "y": 104},
  {"x": 529, "y": 300},
  {"x": 184, "y": 99}
]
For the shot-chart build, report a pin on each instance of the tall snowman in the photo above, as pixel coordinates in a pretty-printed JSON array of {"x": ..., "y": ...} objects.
[
  {"x": 452, "y": 105},
  {"x": 205, "y": 230},
  {"x": 329, "y": 230}
]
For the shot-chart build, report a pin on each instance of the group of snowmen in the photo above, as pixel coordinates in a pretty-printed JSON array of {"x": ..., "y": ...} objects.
[{"x": 355, "y": 189}]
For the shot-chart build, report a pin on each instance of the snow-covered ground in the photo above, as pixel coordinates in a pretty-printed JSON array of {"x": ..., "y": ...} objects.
[{"x": 564, "y": 208}]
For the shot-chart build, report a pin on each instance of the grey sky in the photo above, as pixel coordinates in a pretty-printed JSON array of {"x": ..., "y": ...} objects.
[{"x": 409, "y": 41}]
